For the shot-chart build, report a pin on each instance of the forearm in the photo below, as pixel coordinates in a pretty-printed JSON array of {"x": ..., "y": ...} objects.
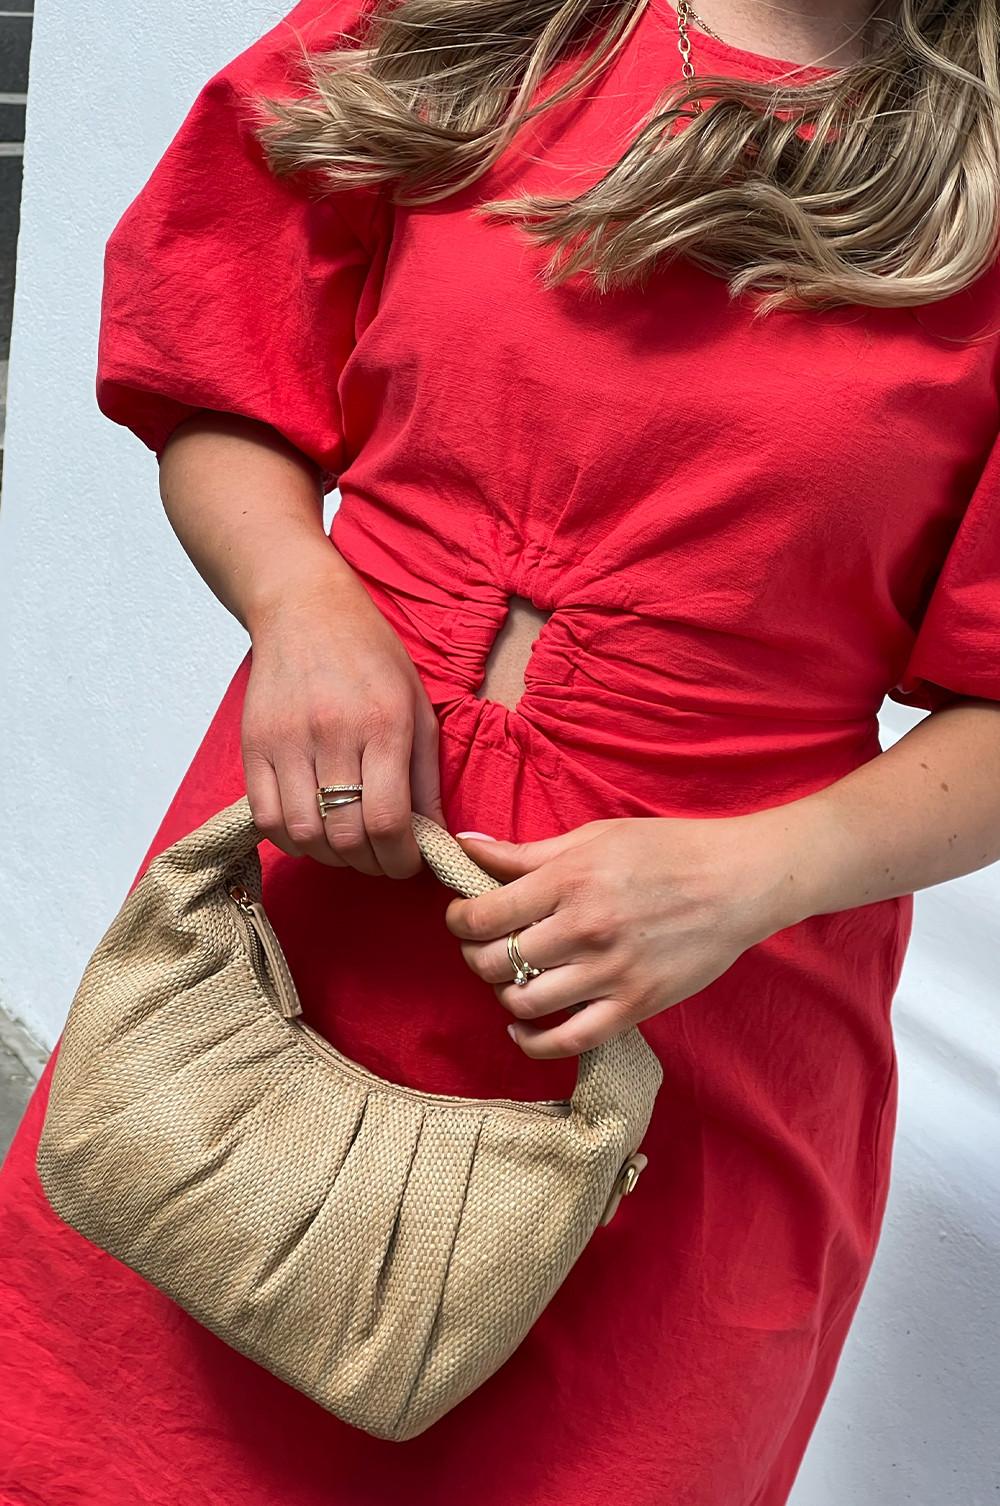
[
  {"x": 924, "y": 811},
  {"x": 248, "y": 510}
]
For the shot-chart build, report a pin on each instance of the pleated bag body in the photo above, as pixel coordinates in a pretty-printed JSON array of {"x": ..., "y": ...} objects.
[{"x": 381, "y": 1249}]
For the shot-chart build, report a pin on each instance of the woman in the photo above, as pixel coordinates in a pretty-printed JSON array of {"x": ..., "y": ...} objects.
[{"x": 655, "y": 480}]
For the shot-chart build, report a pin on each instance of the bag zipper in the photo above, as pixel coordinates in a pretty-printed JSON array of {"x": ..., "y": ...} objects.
[
  {"x": 266, "y": 957},
  {"x": 272, "y": 973}
]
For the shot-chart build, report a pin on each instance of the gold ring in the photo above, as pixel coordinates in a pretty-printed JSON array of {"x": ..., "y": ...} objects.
[
  {"x": 523, "y": 971},
  {"x": 330, "y": 797}
]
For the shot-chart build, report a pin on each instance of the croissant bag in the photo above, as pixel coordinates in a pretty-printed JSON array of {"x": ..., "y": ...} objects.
[{"x": 381, "y": 1249}]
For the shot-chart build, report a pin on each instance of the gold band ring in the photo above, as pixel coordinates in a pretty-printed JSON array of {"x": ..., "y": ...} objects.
[{"x": 523, "y": 971}]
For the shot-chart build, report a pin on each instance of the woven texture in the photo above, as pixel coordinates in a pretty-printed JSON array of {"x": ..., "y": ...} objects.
[{"x": 383, "y": 1250}]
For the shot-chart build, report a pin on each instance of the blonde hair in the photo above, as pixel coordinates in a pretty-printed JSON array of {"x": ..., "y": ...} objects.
[{"x": 889, "y": 197}]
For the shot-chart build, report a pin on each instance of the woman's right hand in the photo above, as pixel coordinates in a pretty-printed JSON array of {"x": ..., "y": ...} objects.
[{"x": 334, "y": 698}]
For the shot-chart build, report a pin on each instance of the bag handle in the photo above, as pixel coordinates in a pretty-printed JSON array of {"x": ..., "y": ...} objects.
[
  {"x": 448, "y": 859},
  {"x": 615, "y": 1081},
  {"x": 609, "y": 1075}
]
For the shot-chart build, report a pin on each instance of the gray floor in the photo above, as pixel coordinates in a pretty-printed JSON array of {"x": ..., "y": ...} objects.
[{"x": 20, "y": 1063}]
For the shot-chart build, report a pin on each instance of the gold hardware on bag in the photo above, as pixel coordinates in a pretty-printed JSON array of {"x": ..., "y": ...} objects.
[
  {"x": 625, "y": 1182},
  {"x": 629, "y": 1180}
]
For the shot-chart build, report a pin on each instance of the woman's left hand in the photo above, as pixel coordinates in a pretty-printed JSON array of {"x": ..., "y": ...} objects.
[{"x": 627, "y": 917}]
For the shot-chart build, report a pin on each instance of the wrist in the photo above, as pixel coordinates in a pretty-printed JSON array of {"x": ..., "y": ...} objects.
[
  {"x": 316, "y": 581},
  {"x": 800, "y": 852}
]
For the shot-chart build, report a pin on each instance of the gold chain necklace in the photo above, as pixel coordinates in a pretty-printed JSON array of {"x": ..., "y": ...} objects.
[
  {"x": 699, "y": 21},
  {"x": 685, "y": 15}
]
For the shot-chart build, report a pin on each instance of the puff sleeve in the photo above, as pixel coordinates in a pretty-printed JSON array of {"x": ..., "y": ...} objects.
[
  {"x": 956, "y": 650},
  {"x": 227, "y": 288}
]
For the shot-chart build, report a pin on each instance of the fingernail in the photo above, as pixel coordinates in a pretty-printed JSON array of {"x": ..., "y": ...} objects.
[
  {"x": 485, "y": 836},
  {"x": 512, "y": 1032}
]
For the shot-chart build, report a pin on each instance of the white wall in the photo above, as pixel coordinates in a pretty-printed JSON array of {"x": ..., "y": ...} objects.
[
  {"x": 112, "y": 654},
  {"x": 913, "y": 1414},
  {"x": 112, "y": 659}
]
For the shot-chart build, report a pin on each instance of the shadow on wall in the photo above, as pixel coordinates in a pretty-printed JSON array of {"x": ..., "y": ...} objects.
[
  {"x": 921, "y": 1365},
  {"x": 15, "y": 47},
  {"x": 21, "y": 1063}
]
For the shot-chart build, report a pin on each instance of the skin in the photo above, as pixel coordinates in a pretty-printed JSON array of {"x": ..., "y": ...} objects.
[
  {"x": 333, "y": 695},
  {"x": 627, "y": 916},
  {"x": 823, "y": 32},
  {"x": 639, "y": 914}
]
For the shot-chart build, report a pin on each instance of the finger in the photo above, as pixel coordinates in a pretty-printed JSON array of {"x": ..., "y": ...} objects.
[
  {"x": 303, "y": 831},
  {"x": 500, "y": 911},
  {"x": 565, "y": 987},
  {"x": 425, "y": 767},
  {"x": 343, "y": 834},
  {"x": 265, "y": 800},
  {"x": 506, "y": 860},
  {"x": 545, "y": 944},
  {"x": 597, "y": 1022},
  {"x": 385, "y": 774}
]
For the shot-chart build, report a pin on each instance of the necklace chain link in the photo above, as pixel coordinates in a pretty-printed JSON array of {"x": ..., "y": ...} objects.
[
  {"x": 686, "y": 14},
  {"x": 692, "y": 15}
]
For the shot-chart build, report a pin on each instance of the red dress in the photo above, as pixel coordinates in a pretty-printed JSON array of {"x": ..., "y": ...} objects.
[{"x": 746, "y": 535}]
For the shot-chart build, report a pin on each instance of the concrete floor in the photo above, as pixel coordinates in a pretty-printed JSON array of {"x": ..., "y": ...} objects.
[{"x": 21, "y": 1061}]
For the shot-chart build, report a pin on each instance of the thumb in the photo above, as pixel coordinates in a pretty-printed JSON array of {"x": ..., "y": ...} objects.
[{"x": 509, "y": 860}]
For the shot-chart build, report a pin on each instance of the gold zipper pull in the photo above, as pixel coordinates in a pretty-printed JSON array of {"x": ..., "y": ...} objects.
[
  {"x": 278, "y": 973},
  {"x": 628, "y": 1174}
]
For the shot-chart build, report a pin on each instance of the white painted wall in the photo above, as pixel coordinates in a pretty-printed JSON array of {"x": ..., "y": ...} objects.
[
  {"x": 112, "y": 653},
  {"x": 112, "y": 659},
  {"x": 913, "y": 1418}
]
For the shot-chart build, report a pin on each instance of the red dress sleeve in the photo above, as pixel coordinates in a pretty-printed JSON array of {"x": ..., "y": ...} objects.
[
  {"x": 230, "y": 289},
  {"x": 956, "y": 651}
]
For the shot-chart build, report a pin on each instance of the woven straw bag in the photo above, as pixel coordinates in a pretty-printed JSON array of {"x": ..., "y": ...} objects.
[{"x": 381, "y": 1249}]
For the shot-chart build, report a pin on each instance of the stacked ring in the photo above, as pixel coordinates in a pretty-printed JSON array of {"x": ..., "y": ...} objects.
[
  {"x": 330, "y": 797},
  {"x": 523, "y": 971}
]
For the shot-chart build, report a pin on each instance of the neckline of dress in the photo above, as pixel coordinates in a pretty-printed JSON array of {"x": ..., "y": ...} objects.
[{"x": 757, "y": 62}]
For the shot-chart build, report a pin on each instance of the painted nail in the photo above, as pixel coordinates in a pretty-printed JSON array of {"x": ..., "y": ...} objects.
[{"x": 485, "y": 836}]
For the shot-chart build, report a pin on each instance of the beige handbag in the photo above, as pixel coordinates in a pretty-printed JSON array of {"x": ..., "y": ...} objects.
[{"x": 381, "y": 1249}]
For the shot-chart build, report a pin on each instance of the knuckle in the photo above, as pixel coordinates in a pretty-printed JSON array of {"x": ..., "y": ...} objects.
[
  {"x": 575, "y": 1042},
  {"x": 611, "y": 878},
  {"x": 347, "y": 841},
  {"x": 403, "y": 867},
  {"x": 479, "y": 963},
  {"x": 266, "y": 819},
  {"x": 283, "y": 738},
  {"x": 498, "y": 971},
  {"x": 301, "y": 832},
  {"x": 385, "y": 822},
  {"x": 474, "y": 918},
  {"x": 574, "y": 887},
  {"x": 275, "y": 832},
  {"x": 322, "y": 718},
  {"x": 599, "y": 927},
  {"x": 517, "y": 1002},
  {"x": 383, "y": 724},
  {"x": 255, "y": 748},
  {"x": 626, "y": 1010}
]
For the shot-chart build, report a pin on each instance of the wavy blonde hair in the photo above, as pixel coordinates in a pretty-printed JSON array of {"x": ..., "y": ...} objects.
[{"x": 889, "y": 197}]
